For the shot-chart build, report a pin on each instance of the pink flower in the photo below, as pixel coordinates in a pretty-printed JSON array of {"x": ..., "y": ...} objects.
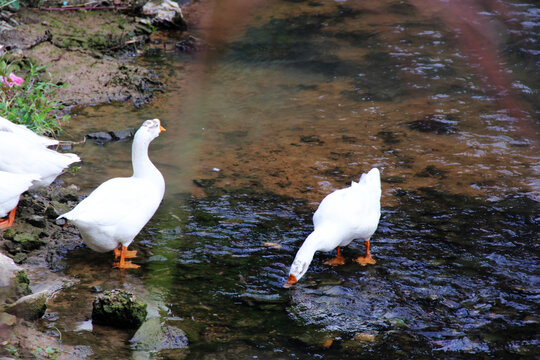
[
  {"x": 15, "y": 79},
  {"x": 11, "y": 80}
]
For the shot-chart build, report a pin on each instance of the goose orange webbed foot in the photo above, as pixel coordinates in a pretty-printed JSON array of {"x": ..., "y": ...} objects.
[
  {"x": 126, "y": 265},
  {"x": 5, "y": 223},
  {"x": 338, "y": 260},
  {"x": 365, "y": 260},
  {"x": 124, "y": 253}
]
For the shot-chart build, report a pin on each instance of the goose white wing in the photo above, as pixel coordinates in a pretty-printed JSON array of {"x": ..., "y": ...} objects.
[
  {"x": 29, "y": 135},
  {"x": 355, "y": 210},
  {"x": 119, "y": 207},
  {"x": 21, "y": 156}
]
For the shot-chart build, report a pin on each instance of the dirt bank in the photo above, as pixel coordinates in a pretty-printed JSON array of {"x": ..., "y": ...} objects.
[{"x": 96, "y": 54}]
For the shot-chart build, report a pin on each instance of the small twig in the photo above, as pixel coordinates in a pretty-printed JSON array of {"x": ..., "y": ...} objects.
[
  {"x": 59, "y": 56},
  {"x": 70, "y": 143},
  {"x": 46, "y": 37}
]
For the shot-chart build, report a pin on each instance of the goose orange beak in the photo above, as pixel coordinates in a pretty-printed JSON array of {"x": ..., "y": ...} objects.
[
  {"x": 161, "y": 128},
  {"x": 292, "y": 280}
]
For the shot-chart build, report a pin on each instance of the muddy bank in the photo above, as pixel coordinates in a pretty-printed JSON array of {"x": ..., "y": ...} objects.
[{"x": 95, "y": 54}]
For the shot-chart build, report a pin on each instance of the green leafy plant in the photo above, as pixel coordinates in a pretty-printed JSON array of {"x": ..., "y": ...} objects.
[
  {"x": 32, "y": 102},
  {"x": 14, "y": 3},
  {"x": 11, "y": 349},
  {"x": 48, "y": 352}
]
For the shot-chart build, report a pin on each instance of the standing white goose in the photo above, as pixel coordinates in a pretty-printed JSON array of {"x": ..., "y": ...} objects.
[
  {"x": 116, "y": 211},
  {"x": 11, "y": 188},
  {"x": 343, "y": 216},
  {"x": 21, "y": 153}
]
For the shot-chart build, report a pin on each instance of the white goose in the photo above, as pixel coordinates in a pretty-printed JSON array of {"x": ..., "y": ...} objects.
[
  {"x": 116, "y": 211},
  {"x": 343, "y": 216},
  {"x": 11, "y": 188},
  {"x": 22, "y": 153},
  {"x": 23, "y": 131}
]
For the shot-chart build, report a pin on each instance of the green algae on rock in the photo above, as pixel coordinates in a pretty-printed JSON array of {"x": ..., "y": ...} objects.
[{"x": 118, "y": 308}]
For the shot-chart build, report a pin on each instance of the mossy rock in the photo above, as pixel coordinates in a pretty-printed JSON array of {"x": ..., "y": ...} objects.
[
  {"x": 30, "y": 307},
  {"x": 22, "y": 284},
  {"x": 28, "y": 241},
  {"x": 118, "y": 308}
]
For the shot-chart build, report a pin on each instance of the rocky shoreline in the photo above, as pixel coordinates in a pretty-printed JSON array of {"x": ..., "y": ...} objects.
[{"x": 94, "y": 53}]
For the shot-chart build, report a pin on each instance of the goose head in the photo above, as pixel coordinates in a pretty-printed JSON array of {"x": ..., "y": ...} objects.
[
  {"x": 298, "y": 268},
  {"x": 301, "y": 261},
  {"x": 149, "y": 130}
]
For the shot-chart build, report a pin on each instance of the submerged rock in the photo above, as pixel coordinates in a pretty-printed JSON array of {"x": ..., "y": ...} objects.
[
  {"x": 114, "y": 135},
  {"x": 191, "y": 44},
  {"x": 431, "y": 124},
  {"x": 118, "y": 308},
  {"x": 155, "y": 336}
]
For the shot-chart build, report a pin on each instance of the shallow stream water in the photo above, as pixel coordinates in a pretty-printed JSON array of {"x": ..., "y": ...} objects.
[{"x": 301, "y": 99}]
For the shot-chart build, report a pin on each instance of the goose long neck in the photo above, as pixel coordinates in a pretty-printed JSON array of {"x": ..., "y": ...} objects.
[
  {"x": 142, "y": 166},
  {"x": 308, "y": 248}
]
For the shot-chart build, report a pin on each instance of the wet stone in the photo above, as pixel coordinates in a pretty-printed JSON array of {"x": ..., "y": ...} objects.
[
  {"x": 37, "y": 221},
  {"x": 122, "y": 134},
  {"x": 393, "y": 180},
  {"x": 435, "y": 126},
  {"x": 311, "y": 139},
  {"x": 388, "y": 137},
  {"x": 20, "y": 258},
  {"x": 100, "y": 136},
  {"x": 7, "y": 320},
  {"x": 21, "y": 242},
  {"x": 56, "y": 209},
  {"x": 118, "y": 308},
  {"x": 27, "y": 241},
  {"x": 96, "y": 289},
  {"x": 204, "y": 183},
  {"x": 191, "y": 44},
  {"x": 432, "y": 171},
  {"x": 349, "y": 139},
  {"x": 30, "y": 307},
  {"x": 155, "y": 336},
  {"x": 65, "y": 194}
]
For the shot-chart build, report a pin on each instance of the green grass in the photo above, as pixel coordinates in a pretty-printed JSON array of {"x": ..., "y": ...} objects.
[{"x": 33, "y": 103}]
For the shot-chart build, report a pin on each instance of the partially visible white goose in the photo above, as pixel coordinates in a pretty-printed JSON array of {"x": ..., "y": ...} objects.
[
  {"x": 116, "y": 211},
  {"x": 26, "y": 133},
  {"x": 22, "y": 154},
  {"x": 11, "y": 188},
  {"x": 343, "y": 216}
]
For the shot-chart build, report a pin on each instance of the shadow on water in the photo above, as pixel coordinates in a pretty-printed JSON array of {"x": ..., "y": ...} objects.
[{"x": 314, "y": 94}]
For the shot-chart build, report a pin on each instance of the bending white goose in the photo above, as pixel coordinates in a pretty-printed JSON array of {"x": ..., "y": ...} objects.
[
  {"x": 343, "y": 216},
  {"x": 23, "y": 131},
  {"x": 22, "y": 154},
  {"x": 116, "y": 211},
  {"x": 11, "y": 188}
]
